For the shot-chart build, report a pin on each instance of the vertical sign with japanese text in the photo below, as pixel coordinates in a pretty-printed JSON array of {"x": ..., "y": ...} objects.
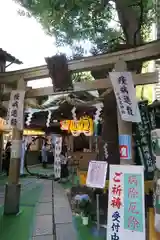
[
  {"x": 133, "y": 218},
  {"x": 126, "y": 213},
  {"x": 15, "y": 110},
  {"x": 57, "y": 157},
  {"x": 115, "y": 217},
  {"x": 125, "y": 96}
]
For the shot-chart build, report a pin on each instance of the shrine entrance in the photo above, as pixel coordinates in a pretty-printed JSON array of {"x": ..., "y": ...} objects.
[{"x": 125, "y": 113}]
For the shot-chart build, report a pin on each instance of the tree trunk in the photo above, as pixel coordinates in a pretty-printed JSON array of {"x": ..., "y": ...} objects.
[
  {"x": 110, "y": 127},
  {"x": 130, "y": 24},
  {"x": 129, "y": 20},
  {"x": 110, "y": 130}
]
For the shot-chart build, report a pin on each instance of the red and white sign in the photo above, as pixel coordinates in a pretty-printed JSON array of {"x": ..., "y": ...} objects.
[{"x": 123, "y": 149}]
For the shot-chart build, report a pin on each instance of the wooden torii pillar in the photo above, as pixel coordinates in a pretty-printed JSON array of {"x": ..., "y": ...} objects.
[
  {"x": 124, "y": 128},
  {"x": 13, "y": 187}
]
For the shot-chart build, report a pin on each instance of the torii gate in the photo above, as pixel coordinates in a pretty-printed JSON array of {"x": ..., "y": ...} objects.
[
  {"x": 145, "y": 52},
  {"x": 150, "y": 51}
]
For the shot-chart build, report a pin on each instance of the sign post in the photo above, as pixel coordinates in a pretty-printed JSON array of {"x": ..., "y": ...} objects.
[{"x": 96, "y": 178}]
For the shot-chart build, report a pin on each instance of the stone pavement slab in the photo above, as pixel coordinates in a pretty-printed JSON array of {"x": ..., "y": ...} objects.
[
  {"x": 43, "y": 224},
  {"x": 44, "y": 208},
  {"x": 65, "y": 232},
  {"x": 45, "y": 199},
  {"x": 44, "y": 237},
  {"x": 63, "y": 215}
]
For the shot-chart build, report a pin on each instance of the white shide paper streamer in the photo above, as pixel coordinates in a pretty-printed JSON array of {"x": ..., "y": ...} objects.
[
  {"x": 99, "y": 107},
  {"x": 105, "y": 147},
  {"x": 48, "y": 118},
  {"x": 73, "y": 111},
  {"x": 29, "y": 117}
]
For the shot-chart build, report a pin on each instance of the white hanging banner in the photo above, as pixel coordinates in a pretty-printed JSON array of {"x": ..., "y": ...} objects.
[
  {"x": 57, "y": 159},
  {"x": 15, "y": 110},
  {"x": 126, "y": 207},
  {"x": 125, "y": 96},
  {"x": 26, "y": 140},
  {"x": 96, "y": 176}
]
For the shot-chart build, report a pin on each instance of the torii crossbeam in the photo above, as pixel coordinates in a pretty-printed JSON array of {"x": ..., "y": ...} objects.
[{"x": 145, "y": 52}]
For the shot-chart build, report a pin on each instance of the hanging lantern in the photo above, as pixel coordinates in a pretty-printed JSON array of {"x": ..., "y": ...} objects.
[
  {"x": 75, "y": 128},
  {"x": 88, "y": 126}
]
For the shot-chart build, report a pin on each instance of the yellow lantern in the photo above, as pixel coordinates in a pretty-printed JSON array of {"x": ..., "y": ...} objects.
[
  {"x": 75, "y": 128},
  {"x": 87, "y": 126},
  {"x": 65, "y": 125}
]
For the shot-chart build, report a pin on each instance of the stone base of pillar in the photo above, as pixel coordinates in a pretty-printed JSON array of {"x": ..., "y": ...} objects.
[{"x": 12, "y": 199}]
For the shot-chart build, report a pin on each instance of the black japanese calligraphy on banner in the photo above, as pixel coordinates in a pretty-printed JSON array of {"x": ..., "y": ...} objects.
[
  {"x": 15, "y": 112},
  {"x": 125, "y": 94}
]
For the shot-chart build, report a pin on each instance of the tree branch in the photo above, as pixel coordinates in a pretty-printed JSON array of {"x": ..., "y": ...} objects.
[
  {"x": 140, "y": 21},
  {"x": 104, "y": 2}
]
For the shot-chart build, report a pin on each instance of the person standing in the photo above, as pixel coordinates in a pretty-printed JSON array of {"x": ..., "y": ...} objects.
[
  {"x": 7, "y": 157},
  {"x": 64, "y": 164},
  {"x": 44, "y": 155}
]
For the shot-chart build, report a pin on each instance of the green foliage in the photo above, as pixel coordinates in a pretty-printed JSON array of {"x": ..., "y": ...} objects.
[
  {"x": 77, "y": 20},
  {"x": 145, "y": 92},
  {"x": 82, "y": 77},
  {"x": 85, "y": 207}
]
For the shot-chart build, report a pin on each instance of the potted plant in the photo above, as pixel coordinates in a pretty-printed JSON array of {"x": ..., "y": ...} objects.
[{"x": 85, "y": 208}]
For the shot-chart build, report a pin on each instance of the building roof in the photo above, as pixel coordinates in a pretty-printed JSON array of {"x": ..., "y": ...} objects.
[
  {"x": 8, "y": 57},
  {"x": 60, "y": 108}
]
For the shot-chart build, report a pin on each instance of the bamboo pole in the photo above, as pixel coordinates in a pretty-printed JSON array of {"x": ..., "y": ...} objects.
[{"x": 152, "y": 233}]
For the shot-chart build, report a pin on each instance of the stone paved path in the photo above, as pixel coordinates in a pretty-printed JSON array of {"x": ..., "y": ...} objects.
[
  {"x": 62, "y": 215},
  {"x": 43, "y": 225},
  {"x": 52, "y": 201}
]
